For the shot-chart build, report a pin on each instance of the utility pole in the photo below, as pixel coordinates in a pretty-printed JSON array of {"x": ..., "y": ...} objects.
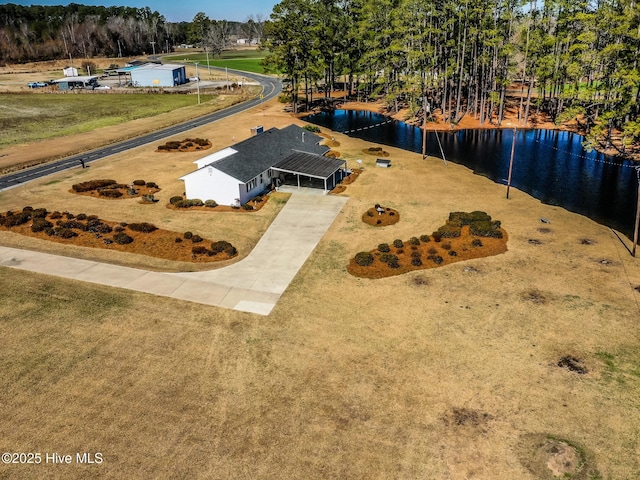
[
  {"x": 513, "y": 150},
  {"x": 198, "y": 83},
  {"x": 119, "y": 49},
  {"x": 206, "y": 50},
  {"x": 153, "y": 45}
]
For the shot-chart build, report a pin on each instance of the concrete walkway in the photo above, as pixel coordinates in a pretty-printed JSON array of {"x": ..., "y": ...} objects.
[{"x": 252, "y": 285}]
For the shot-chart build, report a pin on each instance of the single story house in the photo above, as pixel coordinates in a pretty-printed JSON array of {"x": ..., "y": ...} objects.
[
  {"x": 154, "y": 75},
  {"x": 236, "y": 174},
  {"x": 69, "y": 83}
]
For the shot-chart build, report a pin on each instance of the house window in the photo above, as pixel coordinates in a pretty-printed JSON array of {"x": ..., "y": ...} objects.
[
  {"x": 251, "y": 184},
  {"x": 260, "y": 179}
]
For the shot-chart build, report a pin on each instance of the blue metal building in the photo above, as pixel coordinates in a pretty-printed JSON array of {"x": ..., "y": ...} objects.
[{"x": 153, "y": 75}]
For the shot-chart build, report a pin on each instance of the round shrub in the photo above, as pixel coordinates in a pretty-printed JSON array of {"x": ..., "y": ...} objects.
[
  {"x": 425, "y": 238},
  {"x": 188, "y": 235},
  {"x": 122, "y": 238},
  {"x": 199, "y": 250},
  {"x": 436, "y": 236},
  {"x": 415, "y": 254},
  {"x": 446, "y": 246},
  {"x": 364, "y": 259},
  {"x": 178, "y": 240},
  {"x": 143, "y": 227},
  {"x": 231, "y": 251},
  {"x": 39, "y": 213},
  {"x": 450, "y": 231},
  {"x": 91, "y": 218},
  {"x": 393, "y": 263},
  {"x": 384, "y": 248},
  {"x": 453, "y": 253},
  {"x": 110, "y": 193},
  {"x": 432, "y": 251},
  {"x": 65, "y": 233},
  {"x": 40, "y": 224},
  {"x": 55, "y": 215},
  {"x": 246, "y": 206},
  {"x": 81, "y": 216},
  {"x": 139, "y": 183},
  {"x": 369, "y": 213},
  {"x": 398, "y": 243},
  {"x": 27, "y": 209},
  {"x": 118, "y": 228},
  {"x": 257, "y": 199},
  {"x": 196, "y": 239},
  {"x": 174, "y": 200},
  {"x": 195, "y": 202},
  {"x": 74, "y": 224},
  {"x": 101, "y": 228},
  {"x": 210, "y": 203},
  {"x": 414, "y": 241},
  {"x": 220, "y": 246},
  {"x": 16, "y": 219},
  {"x": 92, "y": 185},
  {"x": 388, "y": 258},
  {"x": 152, "y": 185},
  {"x": 476, "y": 242},
  {"x": 437, "y": 259},
  {"x": 379, "y": 222},
  {"x": 416, "y": 262}
]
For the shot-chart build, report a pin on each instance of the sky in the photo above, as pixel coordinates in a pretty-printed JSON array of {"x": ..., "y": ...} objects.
[{"x": 177, "y": 11}]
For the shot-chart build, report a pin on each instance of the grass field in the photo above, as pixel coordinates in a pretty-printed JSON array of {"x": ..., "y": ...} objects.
[
  {"x": 245, "y": 60},
  {"x": 29, "y": 117},
  {"x": 448, "y": 373}
]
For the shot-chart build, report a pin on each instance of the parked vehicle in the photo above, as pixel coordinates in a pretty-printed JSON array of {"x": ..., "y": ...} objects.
[{"x": 36, "y": 84}]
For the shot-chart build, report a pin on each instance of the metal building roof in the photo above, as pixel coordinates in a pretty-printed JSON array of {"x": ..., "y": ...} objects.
[{"x": 308, "y": 164}]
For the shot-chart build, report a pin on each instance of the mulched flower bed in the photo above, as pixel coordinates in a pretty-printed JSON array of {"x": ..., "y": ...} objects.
[
  {"x": 458, "y": 240},
  {"x": 111, "y": 190},
  {"x": 180, "y": 203},
  {"x": 90, "y": 231},
  {"x": 186, "y": 145},
  {"x": 352, "y": 177},
  {"x": 379, "y": 216},
  {"x": 377, "y": 151}
]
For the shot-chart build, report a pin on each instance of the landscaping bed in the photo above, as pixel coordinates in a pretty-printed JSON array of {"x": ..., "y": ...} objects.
[
  {"x": 181, "y": 203},
  {"x": 112, "y": 190},
  {"x": 379, "y": 216},
  {"x": 352, "y": 177},
  {"x": 140, "y": 238},
  {"x": 186, "y": 145},
  {"x": 377, "y": 151},
  {"x": 463, "y": 237}
]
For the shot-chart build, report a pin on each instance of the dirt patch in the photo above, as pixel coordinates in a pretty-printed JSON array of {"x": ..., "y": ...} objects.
[
  {"x": 420, "y": 281},
  {"x": 572, "y": 364},
  {"x": 379, "y": 216},
  {"x": 186, "y": 145},
  {"x": 586, "y": 241},
  {"x": 534, "y": 296},
  {"x": 548, "y": 458},
  {"x": 90, "y": 231},
  {"x": 330, "y": 140},
  {"x": 466, "y": 417},
  {"x": 544, "y": 230},
  {"x": 332, "y": 154},
  {"x": 534, "y": 241}
]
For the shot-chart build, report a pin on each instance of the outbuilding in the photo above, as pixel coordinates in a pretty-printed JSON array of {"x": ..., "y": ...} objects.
[
  {"x": 154, "y": 75},
  {"x": 70, "y": 83}
]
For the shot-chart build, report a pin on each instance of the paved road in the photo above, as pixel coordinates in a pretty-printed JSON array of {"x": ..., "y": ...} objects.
[{"x": 271, "y": 88}]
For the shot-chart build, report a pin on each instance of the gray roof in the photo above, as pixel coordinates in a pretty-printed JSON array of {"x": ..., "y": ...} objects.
[
  {"x": 310, "y": 165},
  {"x": 258, "y": 154}
]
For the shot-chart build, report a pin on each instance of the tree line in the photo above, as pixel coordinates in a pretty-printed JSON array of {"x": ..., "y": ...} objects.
[
  {"x": 37, "y": 33},
  {"x": 570, "y": 59}
]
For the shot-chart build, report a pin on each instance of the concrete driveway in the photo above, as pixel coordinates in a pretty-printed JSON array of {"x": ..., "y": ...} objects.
[{"x": 254, "y": 284}]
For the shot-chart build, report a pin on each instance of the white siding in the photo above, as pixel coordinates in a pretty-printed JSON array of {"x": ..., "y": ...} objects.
[{"x": 211, "y": 184}]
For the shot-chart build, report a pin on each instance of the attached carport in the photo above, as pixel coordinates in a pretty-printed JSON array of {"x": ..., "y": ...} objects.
[{"x": 309, "y": 170}]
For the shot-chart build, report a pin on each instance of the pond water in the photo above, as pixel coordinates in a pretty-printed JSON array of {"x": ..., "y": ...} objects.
[{"x": 550, "y": 165}]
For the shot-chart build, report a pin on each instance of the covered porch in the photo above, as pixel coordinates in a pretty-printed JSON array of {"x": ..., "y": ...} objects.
[{"x": 305, "y": 170}]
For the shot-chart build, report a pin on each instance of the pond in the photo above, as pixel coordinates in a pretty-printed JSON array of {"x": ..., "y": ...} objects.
[{"x": 550, "y": 165}]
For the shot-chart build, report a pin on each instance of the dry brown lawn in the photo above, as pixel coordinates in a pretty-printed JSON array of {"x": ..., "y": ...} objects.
[{"x": 447, "y": 373}]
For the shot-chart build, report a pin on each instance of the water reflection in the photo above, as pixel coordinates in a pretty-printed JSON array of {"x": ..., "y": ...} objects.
[{"x": 550, "y": 165}]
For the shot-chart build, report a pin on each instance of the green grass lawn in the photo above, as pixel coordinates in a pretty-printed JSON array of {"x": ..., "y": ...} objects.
[
  {"x": 27, "y": 117},
  {"x": 245, "y": 60}
]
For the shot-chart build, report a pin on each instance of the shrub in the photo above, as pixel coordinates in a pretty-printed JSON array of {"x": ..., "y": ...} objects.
[
  {"x": 231, "y": 251},
  {"x": 388, "y": 258},
  {"x": 449, "y": 231},
  {"x": 200, "y": 141},
  {"x": 384, "y": 248},
  {"x": 118, "y": 228},
  {"x": 92, "y": 185},
  {"x": 415, "y": 254},
  {"x": 246, "y": 206},
  {"x": 16, "y": 219},
  {"x": 312, "y": 128},
  {"x": 486, "y": 229},
  {"x": 65, "y": 233},
  {"x": 142, "y": 227},
  {"x": 364, "y": 259},
  {"x": 81, "y": 216},
  {"x": 425, "y": 238},
  {"x": 453, "y": 253},
  {"x": 369, "y": 213},
  {"x": 39, "y": 224},
  {"x": 174, "y": 200},
  {"x": 432, "y": 251},
  {"x": 101, "y": 228},
  {"x": 378, "y": 222},
  {"x": 73, "y": 224},
  {"x": 398, "y": 243},
  {"x": 178, "y": 240},
  {"x": 91, "y": 218},
  {"x": 122, "y": 238},
  {"x": 55, "y": 215},
  {"x": 220, "y": 246},
  {"x": 436, "y": 236},
  {"x": 27, "y": 209},
  {"x": 393, "y": 263},
  {"x": 210, "y": 203},
  {"x": 391, "y": 214},
  {"x": 416, "y": 262},
  {"x": 476, "y": 242},
  {"x": 110, "y": 193},
  {"x": 446, "y": 246},
  {"x": 257, "y": 199},
  {"x": 195, "y": 202},
  {"x": 152, "y": 185},
  {"x": 39, "y": 213},
  {"x": 196, "y": 239},
  {"x": 437, "y": 259},
  {"x": 199, "y": 250},
  {"x": 188, "y": 235},
  {"x": 414, "y": 241},
  {"x": 139, "y": 183}
]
